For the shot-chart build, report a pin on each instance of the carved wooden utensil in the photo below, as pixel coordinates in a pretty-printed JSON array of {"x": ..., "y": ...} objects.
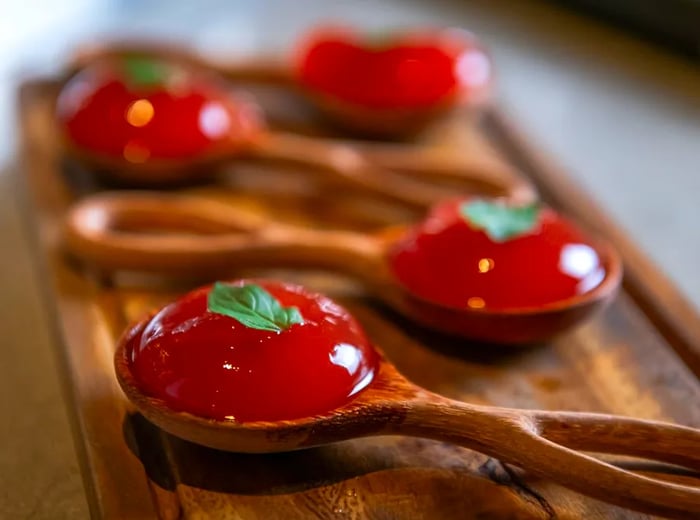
[
  {"x": 332, "y": 162},
  {"x": 541, "y": 442},
  {"x": 393, "y": 172},
  {"x": 393, "y": 123},
  {"x": 111, "y": 231}
]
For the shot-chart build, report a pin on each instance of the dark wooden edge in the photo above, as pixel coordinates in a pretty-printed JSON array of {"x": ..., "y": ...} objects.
[
  {"x": 50, "y": 306},
  {"x": 660, "y": 300},
  {"x": 85, "y": 436}
]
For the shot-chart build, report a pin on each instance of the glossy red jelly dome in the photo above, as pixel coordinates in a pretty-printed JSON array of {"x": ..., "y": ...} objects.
[
  {"x": 213, "y": 365},
  {"x": 141, "y": 109},
  {"x": 451, "y": 259},
  {"x": 412, "y": 69}
]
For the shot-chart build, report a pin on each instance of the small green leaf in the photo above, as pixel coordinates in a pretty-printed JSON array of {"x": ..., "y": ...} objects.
[
  {"x": 252, "y": 306},
  {"x": 498, "y": 220},
  {"x": 144, "y": 71}
]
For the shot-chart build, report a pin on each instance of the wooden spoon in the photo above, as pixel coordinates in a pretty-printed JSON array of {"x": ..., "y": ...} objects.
[
  {"x": 540, "y": 442},
  {"x": 332, "y": 162},
  {"x": 384, "y": 123},
  {"x": 390, "y": 172},
  {"x": 111, "y": 231}
]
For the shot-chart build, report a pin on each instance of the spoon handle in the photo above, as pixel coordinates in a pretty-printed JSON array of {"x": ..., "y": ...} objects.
[
  {"x": 266, "y": 70},
  {"x": 164, "y": 233},
  {"x": 343, "y": 164},
  {"x": 475, "y": 173},
  {"x": 545, "y": 443}
]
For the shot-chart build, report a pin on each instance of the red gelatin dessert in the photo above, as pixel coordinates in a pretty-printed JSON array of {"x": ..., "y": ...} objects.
[
  {"x": 252, "y": 351},
  {"x": 142, "y": 109},
  {"x": 487, "y": 255},
  {"x": 406, "y": 70}
]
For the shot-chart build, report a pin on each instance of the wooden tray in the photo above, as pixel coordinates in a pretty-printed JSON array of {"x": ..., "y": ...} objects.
[{"x": 640, "y": 357}]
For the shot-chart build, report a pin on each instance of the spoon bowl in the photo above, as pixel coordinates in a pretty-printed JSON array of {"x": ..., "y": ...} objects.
[
  {"x": 242, "y": 135},
  {"x": 391, "y": 123},
  {"x": 541, "y": 442},
  {"x": 108, "y": 231},
  {"x": 260, "y": 436},
  {"x": 518, "y": 326}
]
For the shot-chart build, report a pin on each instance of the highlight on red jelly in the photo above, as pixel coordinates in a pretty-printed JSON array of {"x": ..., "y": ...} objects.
[
  {"x": 140, "y": 109},
  {"x": 486, "y": 254},
  {"x": 252, "y": 350}
]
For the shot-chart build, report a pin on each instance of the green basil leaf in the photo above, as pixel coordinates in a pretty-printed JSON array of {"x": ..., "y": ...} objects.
[
  {"x": 498, "y": 220},
  {"x": 144, "y": 71},
  {"x": 252, "y": 306}
]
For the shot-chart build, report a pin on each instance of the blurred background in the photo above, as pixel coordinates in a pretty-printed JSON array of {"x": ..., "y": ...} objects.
[{"x": 618, "y": 108}]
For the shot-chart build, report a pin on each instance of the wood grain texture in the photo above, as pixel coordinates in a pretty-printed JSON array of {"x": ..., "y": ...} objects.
[{"x": 620, "y": 362}]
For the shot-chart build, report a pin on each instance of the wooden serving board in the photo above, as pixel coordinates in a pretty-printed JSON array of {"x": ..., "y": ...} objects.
[{"x": 639, "y": 357}]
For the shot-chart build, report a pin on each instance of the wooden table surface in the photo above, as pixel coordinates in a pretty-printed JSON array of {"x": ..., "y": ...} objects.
[{"x": 580, "y": 60}]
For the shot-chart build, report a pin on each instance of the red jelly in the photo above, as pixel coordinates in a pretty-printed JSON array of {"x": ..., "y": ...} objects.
[
  {"x": 452, "y": 261},
  {"x": 215, "y": 366},
  {"x": 142, "y": 109},
  {"x": 416, "y": 69}
]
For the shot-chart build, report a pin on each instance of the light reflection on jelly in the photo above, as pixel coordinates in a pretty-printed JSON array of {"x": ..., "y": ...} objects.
[
  {"x": 136, "y": 153},
  {"x": 486, "y": 264},
  {"x": 476, "y": 303},
  {"x": 214, "y": 121},
  {"x": 578, "y": 260},
  {"x": 592, "y": 280},
  {"x": 346, "y": 356},
  {"x": 73, "y": 97},
  {"x": 140, "y": 113},
  {"x": 362, "y": 383},
  {"x": 473, "y": 68}
]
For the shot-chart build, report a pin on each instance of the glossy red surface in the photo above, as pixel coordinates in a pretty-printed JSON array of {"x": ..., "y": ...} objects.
[
  {"x": 446, "y": 261},
  {"x": 180, "y": 115},
  {"x": 415, "y": 69},
  {"x": 213, "y": 366}
]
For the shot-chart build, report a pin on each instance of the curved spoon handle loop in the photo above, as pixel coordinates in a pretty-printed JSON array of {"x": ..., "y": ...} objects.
[
  {"x": 472, "y": 173},
  {"x": 185, "y": 235},
  {"x": 601, "y": 433},
  {"x": 546, "y": 443},
  {"x": 343, "y": 164}
]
